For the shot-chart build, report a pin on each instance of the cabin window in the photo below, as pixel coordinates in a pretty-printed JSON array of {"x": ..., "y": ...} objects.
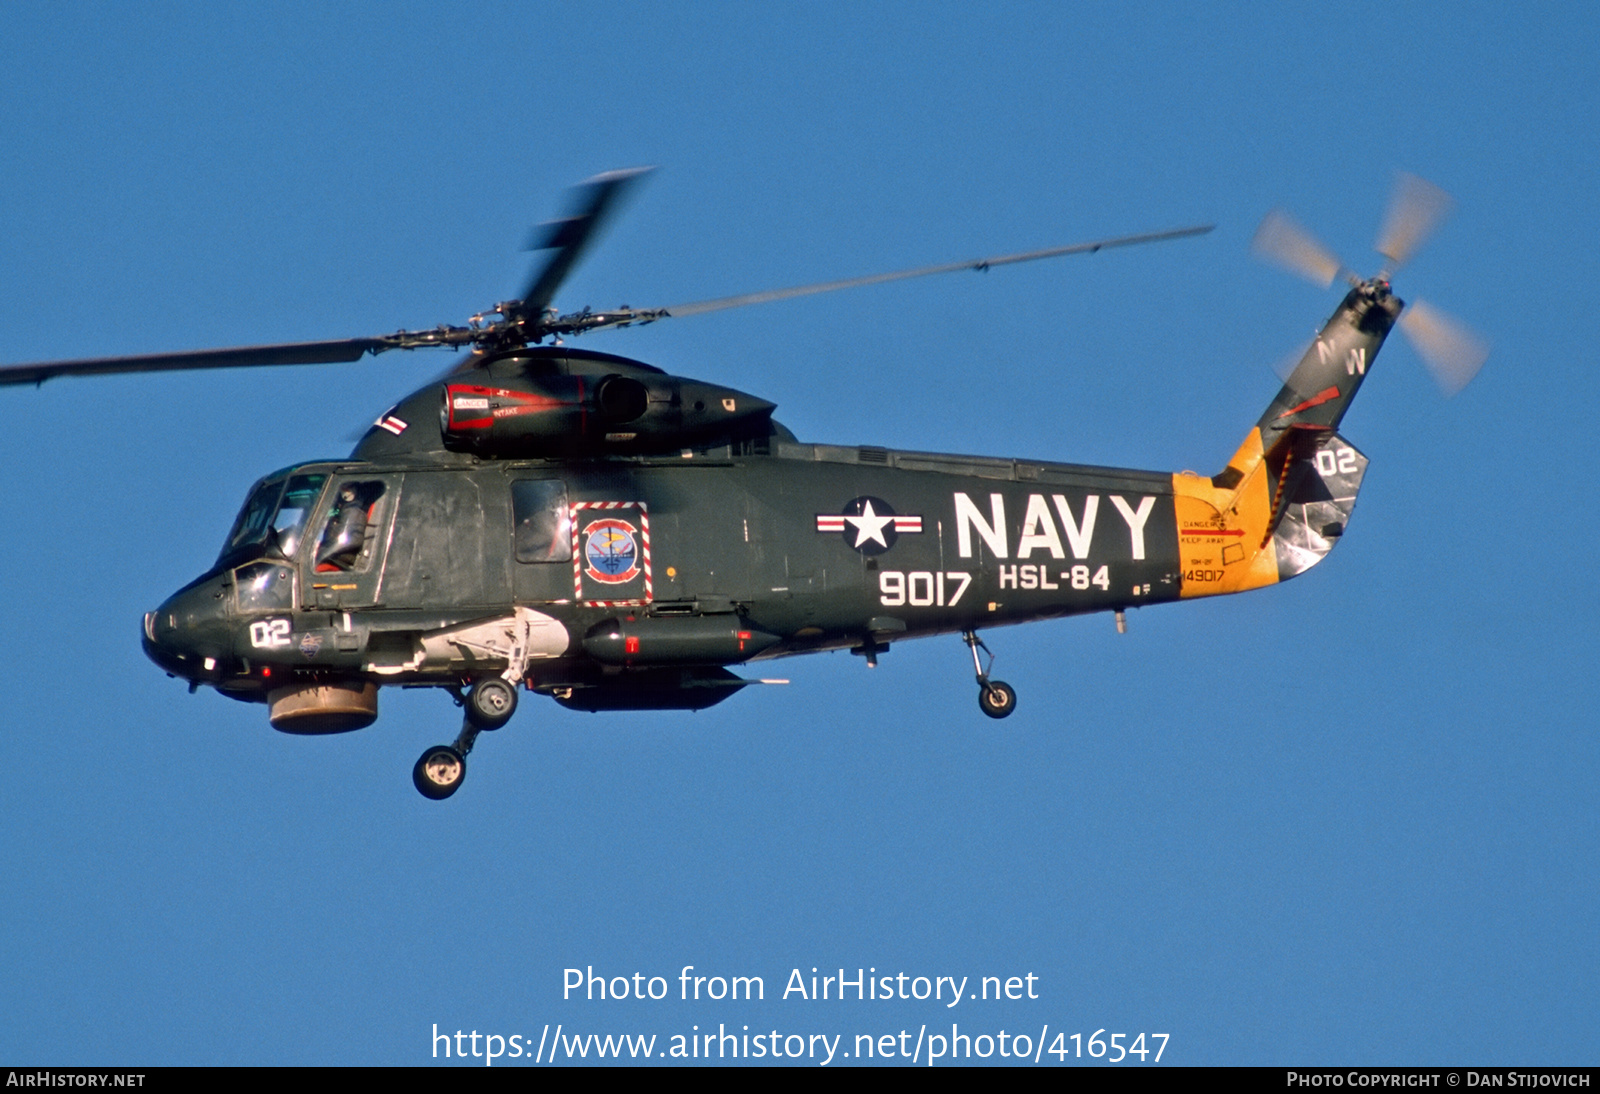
[{"x": 543, "y": 521}]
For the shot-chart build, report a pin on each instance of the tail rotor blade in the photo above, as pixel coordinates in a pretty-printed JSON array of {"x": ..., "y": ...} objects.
[
  {"x": 1415, "y": 211},
  {"x": 1452, "y": 352},
  {"x": 1283, "y": 242}
]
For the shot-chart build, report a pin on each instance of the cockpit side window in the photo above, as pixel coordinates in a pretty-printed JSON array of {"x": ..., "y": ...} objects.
[
  {"x": 543, "y": 522},
  {"x": 346, "y": 538}
]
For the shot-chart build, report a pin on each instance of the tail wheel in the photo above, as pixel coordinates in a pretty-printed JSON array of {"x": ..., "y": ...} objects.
[
  {"x": 996, "y": 699},
  {"x": 491, "y": 703},
  {"x": 439, "y": 772}
]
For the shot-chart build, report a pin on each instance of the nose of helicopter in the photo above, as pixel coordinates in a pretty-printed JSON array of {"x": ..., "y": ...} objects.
[{"x": 187, "y": 635}]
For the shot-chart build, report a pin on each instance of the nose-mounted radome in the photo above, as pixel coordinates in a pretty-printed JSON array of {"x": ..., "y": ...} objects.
[{"x": 188, "y": 634}]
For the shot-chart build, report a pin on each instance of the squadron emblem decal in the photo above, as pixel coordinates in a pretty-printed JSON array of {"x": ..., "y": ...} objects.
[
  {"x": 611, "y": 553},
  {"x": 869, "y": 525}
]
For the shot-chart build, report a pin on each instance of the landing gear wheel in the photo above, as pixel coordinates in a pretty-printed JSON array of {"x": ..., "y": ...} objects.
[
  {"x": 439, "y": 772},
  {"x": 491, "y": 703},
  {"x": 996, "y": 699}
]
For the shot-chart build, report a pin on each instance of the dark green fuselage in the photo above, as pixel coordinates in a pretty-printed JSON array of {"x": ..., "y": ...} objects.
[{"x": 803, "y": 547}]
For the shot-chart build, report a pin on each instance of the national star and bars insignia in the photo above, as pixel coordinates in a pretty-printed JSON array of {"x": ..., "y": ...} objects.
[{"x": 869, "y": 525}]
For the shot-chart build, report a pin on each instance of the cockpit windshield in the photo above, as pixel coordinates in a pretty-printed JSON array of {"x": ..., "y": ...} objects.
[
  {"x": 274, "y": 516},
  {"x": 295, "y": 509},
  {"x": 251, "y": 527}
]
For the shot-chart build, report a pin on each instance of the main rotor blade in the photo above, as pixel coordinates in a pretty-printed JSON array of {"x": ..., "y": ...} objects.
[
  {"x": 1452, "y": 352},
  {"x": 595, "y": 201},
  {"x": 1283, "y": 242},
  {"x": 1414, "y": 212},
  {"x": 286, "y": 353},
  {"x": 980, "y": 264}
]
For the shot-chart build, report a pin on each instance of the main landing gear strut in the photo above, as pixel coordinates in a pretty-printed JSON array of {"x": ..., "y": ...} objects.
[
  {"x": 488, "y": 705},
  {"x": 995, "y": 698}
]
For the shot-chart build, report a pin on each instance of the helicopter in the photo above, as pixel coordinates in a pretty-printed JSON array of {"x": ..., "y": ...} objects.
[{"x": 588, "y": 527}]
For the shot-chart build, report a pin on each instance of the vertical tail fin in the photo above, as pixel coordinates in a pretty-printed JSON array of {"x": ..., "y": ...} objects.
[
  {"x": 1319, "y": 390},
  {"x": 1285, "y": 497}
]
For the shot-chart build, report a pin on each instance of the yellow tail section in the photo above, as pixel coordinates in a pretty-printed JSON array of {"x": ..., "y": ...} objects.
[{"x": 1225, "y": 542}]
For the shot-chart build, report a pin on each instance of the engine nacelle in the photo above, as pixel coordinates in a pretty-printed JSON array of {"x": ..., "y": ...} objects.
[{"x": 560, "y": 415}]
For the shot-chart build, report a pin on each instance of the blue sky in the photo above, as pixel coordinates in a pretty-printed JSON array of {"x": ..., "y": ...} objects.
[{"x": 1351, "y": 819}]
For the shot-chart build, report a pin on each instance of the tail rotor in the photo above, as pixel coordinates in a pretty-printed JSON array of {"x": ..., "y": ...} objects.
[{"x": 1452, "y": 352}]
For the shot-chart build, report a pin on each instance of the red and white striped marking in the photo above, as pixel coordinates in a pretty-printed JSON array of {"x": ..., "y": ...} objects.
[
  {"x": 644, "y": 551},
  {"x": 833, "y": 522}
]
